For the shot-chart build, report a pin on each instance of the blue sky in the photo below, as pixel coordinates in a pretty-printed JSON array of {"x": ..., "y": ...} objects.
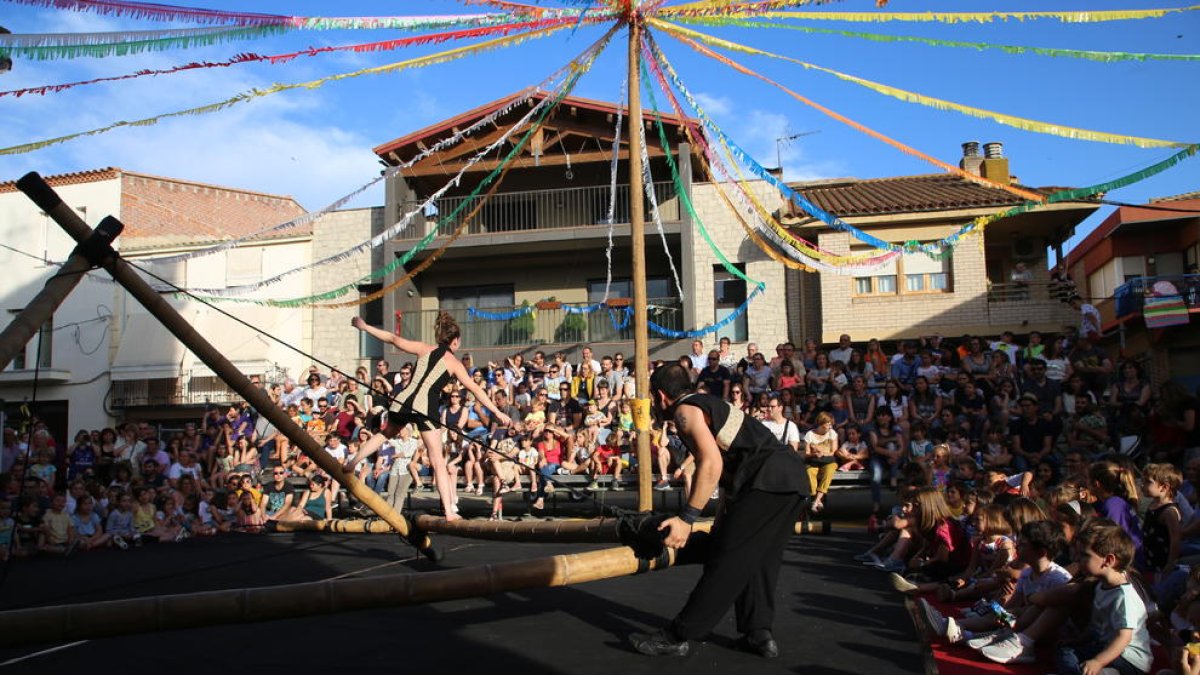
[{"x": 315, "y": 145}]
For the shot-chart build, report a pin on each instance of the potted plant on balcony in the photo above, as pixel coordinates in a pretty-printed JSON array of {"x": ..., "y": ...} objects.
[
  {"x": 572, "y": 329},
  {"x": 617, "y": 303},
  {"x": 549, "y": 303},
  {"x": 519, "y": 329}
]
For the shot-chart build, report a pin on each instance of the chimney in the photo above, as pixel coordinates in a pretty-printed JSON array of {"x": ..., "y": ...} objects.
[
  {"x": 971, "y": 160},
  {"x": 995, "y": 164}
]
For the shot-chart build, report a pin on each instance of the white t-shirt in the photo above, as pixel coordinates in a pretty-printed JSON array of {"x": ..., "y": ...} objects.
[
  {"x": 828, "y": 442},
  {"x": 1118, "y": 608},
  {"x": 786, "y": 431},
  {"x": 1053, "y": 577},
  {"x": 1089, "y": 320}
]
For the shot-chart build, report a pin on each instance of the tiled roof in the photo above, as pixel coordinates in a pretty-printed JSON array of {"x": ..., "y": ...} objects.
[
  {"x": 90, "y": 176},
  {"x": 902, "y": 194},
  {"x": 1177, "y": 198},
  {"x": 160, "y": 212}
]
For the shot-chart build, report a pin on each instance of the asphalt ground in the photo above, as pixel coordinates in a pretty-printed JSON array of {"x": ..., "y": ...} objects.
[{"x": 833, "y": 616}]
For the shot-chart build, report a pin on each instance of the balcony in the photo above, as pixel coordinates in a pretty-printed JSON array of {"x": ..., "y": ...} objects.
[
  {"x": 1129, "y": 298},
  {"x": 194, "y": 390},
  {"x": 535, "y": 210},
  {"x": 1014, "y": 305},
  {"x": 544, "y": 326}
]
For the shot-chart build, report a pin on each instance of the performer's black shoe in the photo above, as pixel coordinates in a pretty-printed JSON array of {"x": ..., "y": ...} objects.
[
  {"x": 661, "y": 643},
  {"x": 760, "y": 642}
]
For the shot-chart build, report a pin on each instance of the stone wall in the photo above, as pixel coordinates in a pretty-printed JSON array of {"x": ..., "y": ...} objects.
[{"x": 333, "y": 340}]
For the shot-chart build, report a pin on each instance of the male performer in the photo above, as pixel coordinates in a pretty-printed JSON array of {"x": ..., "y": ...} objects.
[{"x": 764, "y": 486}]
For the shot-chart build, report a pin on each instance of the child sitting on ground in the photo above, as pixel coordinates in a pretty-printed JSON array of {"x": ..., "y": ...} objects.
[
  {"x": 991, "y": 550},
  {"x": 1041, "y": 541}
]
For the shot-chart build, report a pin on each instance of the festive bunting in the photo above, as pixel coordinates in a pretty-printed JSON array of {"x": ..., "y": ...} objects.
[
  {"x": 655, "y": 215},
  {"x": 440, "y": 57},
  {"x": 612, "y": 190},
  {"x": 384, "y": 45},
  {"x": 1103, "y": 57},
  {"x": 912, "y": 97},
  {"x": 974, "y": 17},
  {"x": 50, "y": 46},
  {"x": 721, "y": 7}
]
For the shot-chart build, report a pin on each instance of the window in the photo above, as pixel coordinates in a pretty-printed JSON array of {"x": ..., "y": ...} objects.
[
  {"x": 243, "y": 266},
  {"x": 906, "y": 275},
  {"x": 45, "y": 336},
  {"x": 657, "y": 288},
  {"x": 608, "y": 326},
  {"x": 372, "y": 313},
  {"x": 729, "y": 293},
  {"x": 456, "y": 300}
]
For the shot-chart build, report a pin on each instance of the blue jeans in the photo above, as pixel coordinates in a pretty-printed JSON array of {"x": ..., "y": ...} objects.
[
  {"x": 547, "y": 472},
  {"x": 880, "y": 466},
  {"x": 1070, "y": 659},
  {"x": 377, "y": 484}
]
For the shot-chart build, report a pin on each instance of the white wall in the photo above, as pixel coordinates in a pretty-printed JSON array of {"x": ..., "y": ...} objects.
[{"x": 81, "y": 352}]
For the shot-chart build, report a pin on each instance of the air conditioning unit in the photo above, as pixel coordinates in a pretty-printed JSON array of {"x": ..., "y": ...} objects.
[{"x": 1027, "y": 248}]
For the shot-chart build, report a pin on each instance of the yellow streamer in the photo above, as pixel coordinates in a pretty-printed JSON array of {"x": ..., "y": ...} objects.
[
  {"x": 973, "y": 17},
  {"x": 950, "y": 168},
  {"x": 431, "y": 59},
  {"x": 940, "y": 104}
]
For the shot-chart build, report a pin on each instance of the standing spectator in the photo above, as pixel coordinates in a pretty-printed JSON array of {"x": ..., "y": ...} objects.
[
  {"x": 843, "y": 351},
  {"x": 1021, "y": 278},
  {"x": 1089, "y": 318}
]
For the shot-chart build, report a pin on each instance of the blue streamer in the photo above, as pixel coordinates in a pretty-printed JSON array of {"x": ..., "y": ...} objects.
[
  {"x": 680, "y": 334},
  {"x": 587, "y": 309},
  {"x": 498, "y": 316}
]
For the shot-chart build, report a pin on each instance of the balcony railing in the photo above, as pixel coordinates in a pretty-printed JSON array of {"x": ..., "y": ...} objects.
[
  {"x": 172, "y": 391},
  {"x": 545, "y": 326},
  {"x": 1038, "y": 290},
  {"x": 539, "y": 210},
  {"x": 1130, "y": 297}
]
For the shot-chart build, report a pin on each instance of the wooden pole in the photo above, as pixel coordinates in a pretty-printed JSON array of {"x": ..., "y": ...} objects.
[
  {"x": 45, "y": 197},
  {"x": 67, "y": 623},
  {"x": 25, "y": 325},
  {"x": 637, "y": 232}
]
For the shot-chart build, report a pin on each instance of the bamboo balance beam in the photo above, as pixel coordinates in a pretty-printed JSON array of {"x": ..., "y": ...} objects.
[
  {"x": 44, "y": 196},
  {"x": 599, "y": 530},
  {"x": 66, "y": 623}
]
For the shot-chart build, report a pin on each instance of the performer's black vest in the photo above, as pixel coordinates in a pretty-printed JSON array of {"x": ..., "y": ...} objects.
[{"x": 754, "y": 459}]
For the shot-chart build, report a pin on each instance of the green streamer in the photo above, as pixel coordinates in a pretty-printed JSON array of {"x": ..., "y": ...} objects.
[
  {"x": 682, "y": 192},
  {"x": 201, "y": 38},
  {"x": 399, "y": 262},
  {"x": 1103, "y": 57}
]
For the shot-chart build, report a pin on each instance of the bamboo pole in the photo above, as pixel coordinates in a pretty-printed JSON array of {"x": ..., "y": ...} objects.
[
  {"x": 66, "y": 623},
  {"x": 25, "y": 325},
  {"x": 597, "y": 530},
  {"x": 637, "y": 233},
  {"x": 45, "y": 197}
]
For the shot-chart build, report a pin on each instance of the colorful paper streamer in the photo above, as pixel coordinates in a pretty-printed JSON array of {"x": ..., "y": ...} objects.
[
  {"x": 1085, "y": 16},
  {"x": 1089, "y": 55},
  {"x": 1022, "y": 123},
  {"x": 419, "y": 62},
  {"x": 51, "y": 46}
]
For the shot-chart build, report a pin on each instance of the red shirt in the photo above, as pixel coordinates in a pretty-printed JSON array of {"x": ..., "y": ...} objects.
[{"x": 552, "y": 451}]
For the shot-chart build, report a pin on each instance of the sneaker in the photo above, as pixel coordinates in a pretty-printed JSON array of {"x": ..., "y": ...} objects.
[
  {"x": 120, "y": 542},
  {"x": 760, "y": 642},
  {"x": 662, "y": 485},
  {"x": 1015, "y": 648},
  {"x": 937, "y": 623},
  {"x": 617, "y": 487},
  {"x": 872, "y": 560},
  {"x": 890, "y": 565},
  {"x": 593, "y": 486},
  {"x": 901, "y": 584},
  {"x": 953, "y": 631},
  {"x": 867, "y": 557},
  {"x": 982, "y": 640},
  {"x": 658, "y": 644}
]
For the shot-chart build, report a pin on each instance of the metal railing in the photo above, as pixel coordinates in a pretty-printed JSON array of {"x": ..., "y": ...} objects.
[
  {"x": 544, "y": 326},
  {"x": 539, "y": 210},
  {"x": 1037, "y": 291},
  {"x": 1130, "y": 297},
  {"x": 197, "y": 390}
]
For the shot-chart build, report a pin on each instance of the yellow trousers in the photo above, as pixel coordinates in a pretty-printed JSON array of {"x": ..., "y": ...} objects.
[{"x": 820, "y": 476}]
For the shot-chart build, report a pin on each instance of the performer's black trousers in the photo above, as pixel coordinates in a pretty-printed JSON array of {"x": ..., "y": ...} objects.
[{"x": 741, "y": 559}]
